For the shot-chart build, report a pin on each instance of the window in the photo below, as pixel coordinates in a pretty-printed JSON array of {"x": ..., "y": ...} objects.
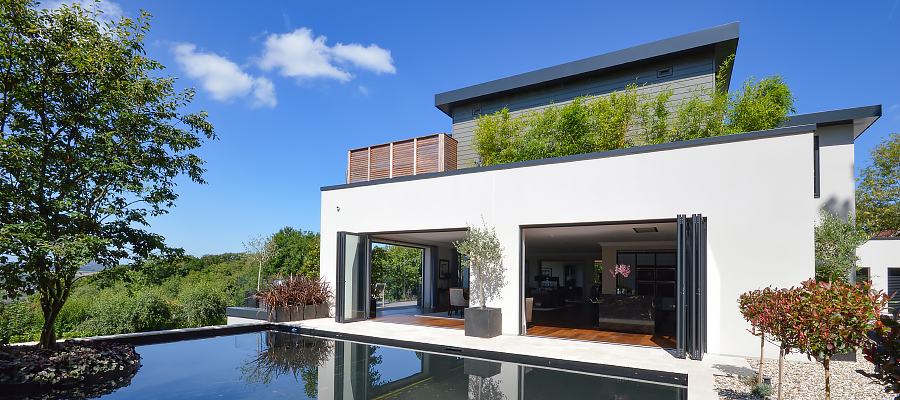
[
  {"x": 816, "y": 178},
  {"x": 894, "y": 287}
]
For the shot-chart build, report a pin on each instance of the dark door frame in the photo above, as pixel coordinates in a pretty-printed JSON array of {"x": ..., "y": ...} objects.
[{"x": 341, "y": 284}]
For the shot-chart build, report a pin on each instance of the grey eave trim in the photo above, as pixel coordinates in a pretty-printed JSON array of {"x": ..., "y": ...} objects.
[
  {"x": 861, "y": 118},
  {"x": 722, "y": 40},
  {"x": 739, "y": 137}
]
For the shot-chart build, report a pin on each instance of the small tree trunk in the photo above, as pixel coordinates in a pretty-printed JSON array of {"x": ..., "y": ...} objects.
[
  {"x": 481, "y": 285},
  {"x": 762, "y": 347},
  {"x": 259, "y": 276},
  {"x": 780, "y": 369},
  {"x": 827, "y": 365},
  {"x": 48, "y": 331}
]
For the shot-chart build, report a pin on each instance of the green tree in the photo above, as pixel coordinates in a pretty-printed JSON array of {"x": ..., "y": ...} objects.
[
  {"x": 297, "y": 253},
  {"x": 91, "y": 144},
  {"x": 878, "y": 191},
  {"x": 400, "y": 268},
  {"x": 835, "y": 248},
  {"x": 485, "y": 259},
  {"x": 259, "y": 250}
]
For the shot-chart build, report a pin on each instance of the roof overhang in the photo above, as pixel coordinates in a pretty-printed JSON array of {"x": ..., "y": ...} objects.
[
  {"x": 861, "y": 118},
  {"x": 721, "y": 40}
]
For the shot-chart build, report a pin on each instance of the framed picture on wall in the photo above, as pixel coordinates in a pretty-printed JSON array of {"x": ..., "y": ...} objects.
[
  {"x": 546, "y": 272},
  {"x": 444, "y": 269}
]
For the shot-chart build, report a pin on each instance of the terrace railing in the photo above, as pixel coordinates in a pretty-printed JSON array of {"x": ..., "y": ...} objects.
[{"x": 421, "y": 155}]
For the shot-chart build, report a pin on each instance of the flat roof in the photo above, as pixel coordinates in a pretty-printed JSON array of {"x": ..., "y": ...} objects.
[
  {"x": 722, "y": 40},
  {"x": 861, "y": 118}
]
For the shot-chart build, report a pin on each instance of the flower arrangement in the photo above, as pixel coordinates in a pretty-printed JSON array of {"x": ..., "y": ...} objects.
[{"x": 623, "y": 271}]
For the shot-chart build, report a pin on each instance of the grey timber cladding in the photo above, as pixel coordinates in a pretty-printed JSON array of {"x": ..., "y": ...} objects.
[{"x": 689, "y": 74}]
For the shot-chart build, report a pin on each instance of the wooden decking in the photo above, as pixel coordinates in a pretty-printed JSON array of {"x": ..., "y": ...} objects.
[
  {"x": 592, "y": 335},
  {"x": 455, "y": 323}
]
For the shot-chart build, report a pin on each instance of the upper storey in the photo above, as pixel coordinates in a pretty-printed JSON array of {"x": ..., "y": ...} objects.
[{"x": 683, "y": 64}]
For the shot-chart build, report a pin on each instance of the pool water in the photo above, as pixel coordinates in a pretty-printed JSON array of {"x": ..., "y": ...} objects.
[{"x": 276, "y": 365}]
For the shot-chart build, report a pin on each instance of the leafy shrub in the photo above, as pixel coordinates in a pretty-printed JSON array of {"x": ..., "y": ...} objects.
[
  {"x": 70, "y": 361},
  {"x": 201, "y": 304},
  {"x": 761, "y": 390},
  {"x": 19, "y": 321},
  {"x": 74, "y": 312},
  {"x": 121, "y": 311},
  {"x": 836, "y": 243},
  {"x": 884, "y": 352}
]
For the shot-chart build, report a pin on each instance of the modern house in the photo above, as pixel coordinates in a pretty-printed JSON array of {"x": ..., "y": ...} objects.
[{"x": 698, "y": 222}]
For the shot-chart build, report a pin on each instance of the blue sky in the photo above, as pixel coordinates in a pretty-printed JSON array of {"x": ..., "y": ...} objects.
[{"x": 292, "y": 85}]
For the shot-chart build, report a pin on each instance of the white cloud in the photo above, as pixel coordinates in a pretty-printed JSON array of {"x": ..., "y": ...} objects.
[
  {"x": 222, "y": 78},
  {"x": 106, "y": 11},
  {"x": 364, "y": 90},
  {"x": 373, "y": 58},
  {"x": 893, "y": 107},
  {"x": 301, "y": 55},
  {"x": 264, "y": 93}
]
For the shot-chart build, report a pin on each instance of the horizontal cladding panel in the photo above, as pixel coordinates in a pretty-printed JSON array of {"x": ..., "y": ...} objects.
[
  {"x": 604, "y": 84},
  {"x": 542, "y": 99},
  {"x": 688, "y": 76}
]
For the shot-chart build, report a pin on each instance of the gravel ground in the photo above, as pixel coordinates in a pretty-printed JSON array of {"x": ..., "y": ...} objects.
[{"x": 806, "y": 380}]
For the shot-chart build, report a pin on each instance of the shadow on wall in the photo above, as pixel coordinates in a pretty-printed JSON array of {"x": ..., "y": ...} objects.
[{"x": 835, "y": 206}]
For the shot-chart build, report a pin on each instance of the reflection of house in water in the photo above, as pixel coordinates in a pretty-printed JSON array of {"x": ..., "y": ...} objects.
[{"x": 334, "y": 369}]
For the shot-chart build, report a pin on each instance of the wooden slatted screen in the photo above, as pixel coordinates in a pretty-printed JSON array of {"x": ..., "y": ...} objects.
[
  {"x": 359, "y": 166},
  {"x": 380, "y": 162},
  {"x": 427, "y": 155},
  {"x": 422, "y": 155},
  {"x": 404, "y": 158}
]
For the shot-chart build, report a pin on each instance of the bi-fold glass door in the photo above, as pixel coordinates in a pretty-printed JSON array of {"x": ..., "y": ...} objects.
[
  {"x": 352, "y": 299},
  {"x": 691, "y": 287}
]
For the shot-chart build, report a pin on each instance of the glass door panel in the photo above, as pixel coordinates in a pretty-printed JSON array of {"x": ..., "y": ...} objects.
[{"x": 353, "y": 277}]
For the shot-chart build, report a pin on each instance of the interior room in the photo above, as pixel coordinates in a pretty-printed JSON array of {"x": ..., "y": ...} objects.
[{"x": 609, "y": 282}]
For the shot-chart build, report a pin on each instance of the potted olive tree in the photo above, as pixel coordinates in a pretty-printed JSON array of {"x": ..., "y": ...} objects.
[{"x": 484, "y": 258}]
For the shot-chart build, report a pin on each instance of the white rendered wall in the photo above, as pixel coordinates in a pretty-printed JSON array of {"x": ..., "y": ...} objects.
[
  {"x": 757, "y": 196},
  {"x": 879, "y": 254},
  {"x": 837, "y": 171}
]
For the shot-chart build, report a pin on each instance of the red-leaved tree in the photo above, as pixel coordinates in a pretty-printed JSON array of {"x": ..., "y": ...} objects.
[
  {"x": 833, "y": 318},
  {"x": 771, "y": 312}
]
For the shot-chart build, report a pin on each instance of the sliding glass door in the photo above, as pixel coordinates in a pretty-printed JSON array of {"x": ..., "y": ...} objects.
[{"x": 351, "y": 301}]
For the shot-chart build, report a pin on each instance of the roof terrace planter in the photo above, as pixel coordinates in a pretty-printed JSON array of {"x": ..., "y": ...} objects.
[{"x": 416, "y": 156}]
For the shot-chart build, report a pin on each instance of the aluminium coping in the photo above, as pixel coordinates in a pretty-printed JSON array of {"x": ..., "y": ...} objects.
[
  {"x": 861, "y": 118},
  {"x": 722, "y": 40}
]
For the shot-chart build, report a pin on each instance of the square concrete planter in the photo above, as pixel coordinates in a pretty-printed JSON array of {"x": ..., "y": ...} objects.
[{"x": 483, "y": 322}]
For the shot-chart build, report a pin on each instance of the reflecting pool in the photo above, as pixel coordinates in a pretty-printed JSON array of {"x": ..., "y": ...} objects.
[{"x": 275, "y": 365}]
